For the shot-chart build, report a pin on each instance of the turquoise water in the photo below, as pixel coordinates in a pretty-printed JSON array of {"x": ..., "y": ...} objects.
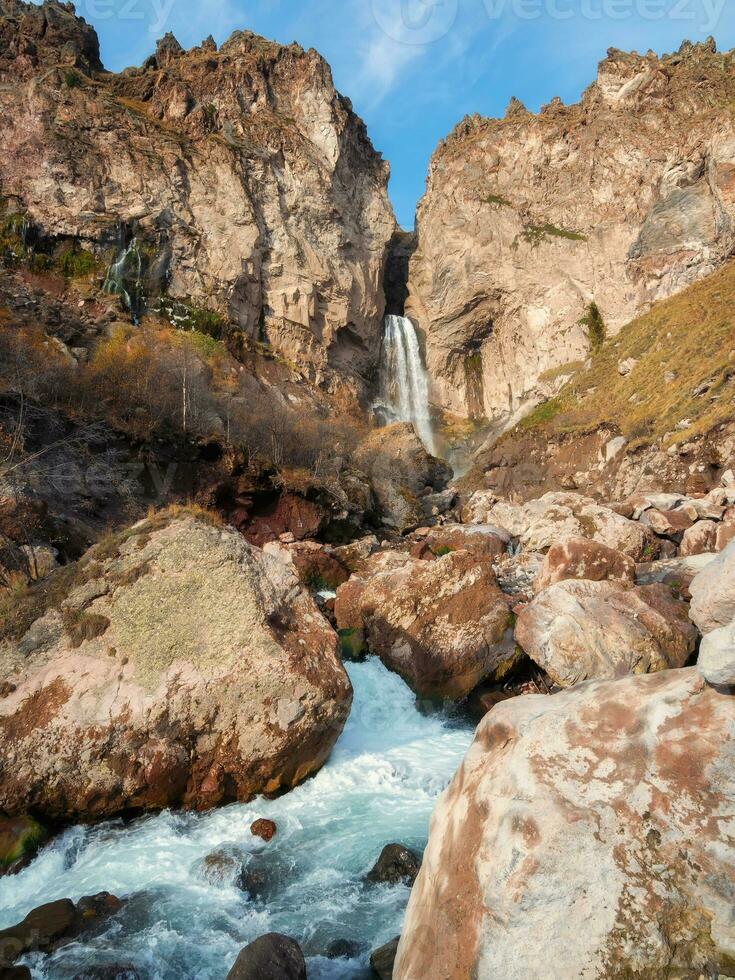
[{"x": 379, "y": 786}]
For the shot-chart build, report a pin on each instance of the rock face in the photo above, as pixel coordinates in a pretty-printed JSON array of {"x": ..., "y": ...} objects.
[
  {"x": 175, "y": 665},
  {"x": 442, "y": 625},
  {"x": 539, "y": 233},
  {"x": 604, "y": 805},
  {"x": 579, "y": 630},
  {"x": 250, "y": 185}
]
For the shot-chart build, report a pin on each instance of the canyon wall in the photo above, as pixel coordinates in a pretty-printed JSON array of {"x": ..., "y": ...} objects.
[
  {"x": 250, "y": 185},
  {"x": 540, "y": 234}
]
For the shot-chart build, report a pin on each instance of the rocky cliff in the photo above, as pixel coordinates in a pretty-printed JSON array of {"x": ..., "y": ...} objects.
[
  {"x": 540, "y": 234},
  {"x": 246, "y": 180}
]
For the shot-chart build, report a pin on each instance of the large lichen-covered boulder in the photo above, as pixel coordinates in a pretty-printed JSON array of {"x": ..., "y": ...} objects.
[
  {"x": 443, "y": 625},
  {"x": 176, "y": 664},
  {"x": 579, "y": 630},
  {"x": 586, "y": 835}
]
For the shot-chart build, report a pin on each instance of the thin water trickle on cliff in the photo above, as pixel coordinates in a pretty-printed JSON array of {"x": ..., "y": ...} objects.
[
  {"x": 379, "y": 786},
  {"x": 404, "y": 383},
  {"x": 124, "y": 277}
]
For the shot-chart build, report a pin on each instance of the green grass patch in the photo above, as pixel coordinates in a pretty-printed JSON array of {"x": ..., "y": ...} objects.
[
  {"x": 496, "y": 199},
  {"x": 543, "y": 413},
  {"x": 535, "y": 235}
]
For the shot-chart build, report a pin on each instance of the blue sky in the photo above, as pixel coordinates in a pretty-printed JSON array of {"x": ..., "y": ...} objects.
[{"x": 414, "y": 68}]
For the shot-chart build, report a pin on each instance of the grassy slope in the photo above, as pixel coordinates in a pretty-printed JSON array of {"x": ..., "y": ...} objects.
[{"x": 691, "y": 335}]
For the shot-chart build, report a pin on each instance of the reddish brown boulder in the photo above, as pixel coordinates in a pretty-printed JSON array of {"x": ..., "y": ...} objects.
[
  {"x": 289, "y": 514},
  {"x": 312, "y": 562},
  {"x": 583, "y": 558},
  {"x": 444, "y": 625},
  {"x": 265, "y": 829},
  {"x": 480, "y": 540},
  {"x": 667, "y": 523}
]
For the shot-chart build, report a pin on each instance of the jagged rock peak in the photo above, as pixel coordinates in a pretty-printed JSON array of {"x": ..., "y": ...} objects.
[
  {"x": 167, "y": 49},
  {"x": 50, "y": 34},
  {"x": 515, "y": 108}
]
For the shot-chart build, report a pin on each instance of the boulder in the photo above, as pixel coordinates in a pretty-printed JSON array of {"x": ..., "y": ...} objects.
[
  {"x": 478, "y": 507},
  {"x": 274, "y": 956},
  {"x": 382, "y": 960},
  {"x": 343, "y": 949},
  {"x": 667, "y": 523},
  {"x": 434, "y": 504},
  {"x": 223, "y": 868},
  {"x": 556, "y": 517},
  {"x": 584, "y": 836},
  {"x": 443, "y": 625},
  {"x": 713, "y": 593},
  {"x": 578, "y": 630},
  {"x": 699, "y": 539},
  {"x": 580, "y": 558},
  {"x": 396, "y": 864},
  {"x": 290, "y": 514},
  {"x": 265, "y": 829},
  {"x": 176, "y": 665},
  {"x": 352, "y": 556},
  {"x": 726, "y": 531},
  {"x": 400, "y": 471},
  {"x": 315, "y": 566},
  {"x": 20, "y": 838},
  {"x": 481, "y": 540},
  {"x": 50, "y": 925},
  {"x": 677, "y": 573},
  {"x": 717, "y": 656}
]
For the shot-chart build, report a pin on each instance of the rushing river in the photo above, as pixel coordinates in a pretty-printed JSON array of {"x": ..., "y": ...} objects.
[{"x": 379, "y": 786}]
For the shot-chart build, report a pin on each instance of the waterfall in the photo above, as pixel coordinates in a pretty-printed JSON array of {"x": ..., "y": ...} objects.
[
  {"x": 124, "y": 277},
  {"x": 404, "y": 384}
]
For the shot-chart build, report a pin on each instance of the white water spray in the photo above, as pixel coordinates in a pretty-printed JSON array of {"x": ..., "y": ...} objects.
[
  {"x": 379, "y": 785},
  {"x": 404, "y": 384}
]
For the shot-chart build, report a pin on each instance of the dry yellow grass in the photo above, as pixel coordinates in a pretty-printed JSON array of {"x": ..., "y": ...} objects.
[{"x": 690, "y": 336}]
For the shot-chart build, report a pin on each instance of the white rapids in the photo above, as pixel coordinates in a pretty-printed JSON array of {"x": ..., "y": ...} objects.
[
  {"x": 404, "y": 383},
  {"x": 379, "y": 786}
]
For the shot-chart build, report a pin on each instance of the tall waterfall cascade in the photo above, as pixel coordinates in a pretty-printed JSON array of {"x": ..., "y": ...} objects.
[{"x": 404, "y": 383}]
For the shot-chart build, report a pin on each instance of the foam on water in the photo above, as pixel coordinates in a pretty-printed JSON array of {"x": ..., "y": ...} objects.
[{"x": 379, "y": 786}]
